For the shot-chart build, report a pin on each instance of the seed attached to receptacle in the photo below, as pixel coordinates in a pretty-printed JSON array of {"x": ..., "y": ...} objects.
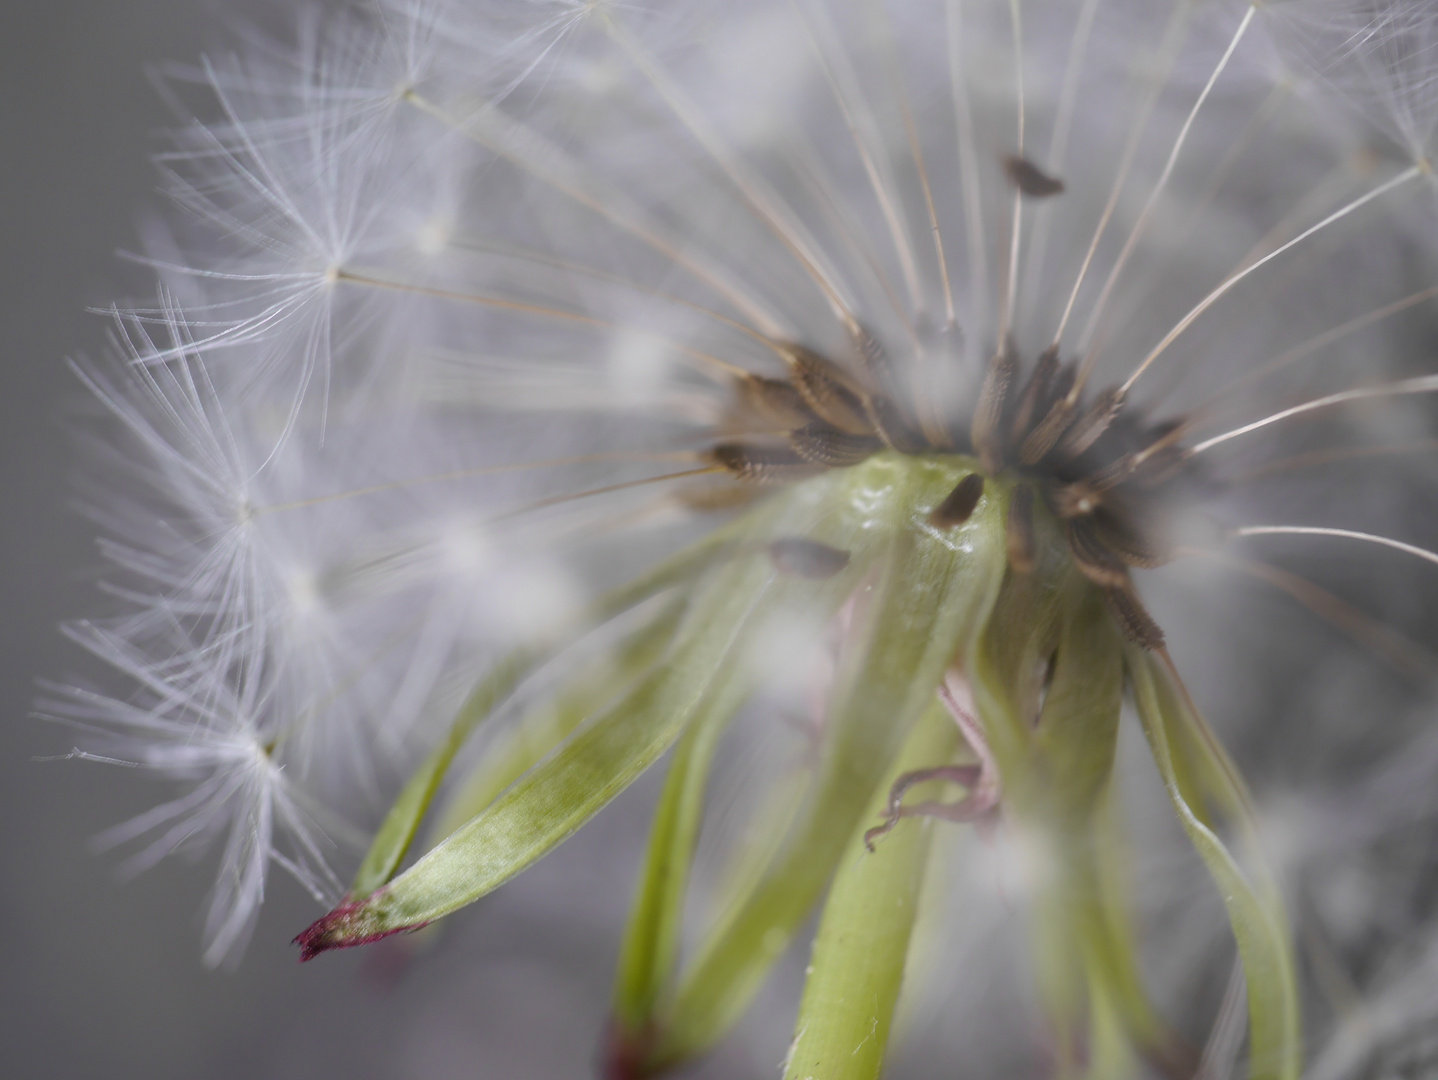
[
  {"x": 774, "y": 402},
  {"x": 1133, "y": 618},
  {"x": 761, "y": 464},
  {"x": 824, "y": 446},
  {"x": 1099, "y": 417},
  {"x": 828, "y": 394},
  {"x": 985, "y": 430},
  {"x": 959, "y": 504},
  {"x": 1097, "y": 563}
]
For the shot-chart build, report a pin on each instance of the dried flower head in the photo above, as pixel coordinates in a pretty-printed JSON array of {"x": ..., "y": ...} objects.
[{"x": 596, "y": 381}]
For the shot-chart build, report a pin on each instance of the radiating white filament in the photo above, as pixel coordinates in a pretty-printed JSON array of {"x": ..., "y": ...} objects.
[
  {"x": 1343, "y": 534},
  {"x": 1409, "y": 174},
  {"x": 1425, "y": 384}
]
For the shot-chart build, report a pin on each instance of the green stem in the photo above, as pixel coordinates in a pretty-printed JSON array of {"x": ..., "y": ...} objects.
[{"x": 857, "y": 965}]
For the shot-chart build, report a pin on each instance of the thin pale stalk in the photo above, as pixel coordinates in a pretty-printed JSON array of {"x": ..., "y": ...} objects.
[
  {"x": 747, "y": 186},
  {"x": 1168, "y": 51},
  {"x": 1006, "y": 311},
  {"x": 1426, "y": 384},
  {"x": 1343, "y": 534},
  {"x": 1136, "y": 233},
  {"x": 879, "y": 182},
  {"x": 608, "y": 205},
  {"x": 707, "y": 363},
  {"x": 1058, "y": 146},
  {"x": 975, "y": 237},
  {"x": 1409, "y": 174},
  {"x": 856, "y": 968},
  {"x": 1320, "y": 341}
]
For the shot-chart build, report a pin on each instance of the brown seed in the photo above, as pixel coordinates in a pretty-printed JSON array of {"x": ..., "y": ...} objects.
[
  {"x": 773, "y": 402},
  {"x": 723, "y": 495},
  {"x": 794, "y": 556},
  {"x": 985, "y": 432},
  {"x": 1097, "y": 562},
  {"x": 1047, "y": 432},
  {"x": 822, "y": 445},
  {"x": 883, "y": 396},
  {"x": 1037, "y": 398},
  {"x": 1030, "y": 179},
  {"x": 761, "y": 464},
  {"x": 1019, "y": 530},
  {"x": 830, "y": 393},
  {"x": 873, "y": 359},
  {"x": 959, "y": 504},
  {"x": 1093, "y": 423},
  {"x": 1133, "y": 618}
]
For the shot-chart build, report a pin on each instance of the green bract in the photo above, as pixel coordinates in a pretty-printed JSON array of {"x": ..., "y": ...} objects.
[{"x": 916, "y": 603}]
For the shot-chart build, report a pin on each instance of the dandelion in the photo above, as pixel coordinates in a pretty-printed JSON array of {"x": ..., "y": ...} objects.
[{"x": 537, "y": 390}]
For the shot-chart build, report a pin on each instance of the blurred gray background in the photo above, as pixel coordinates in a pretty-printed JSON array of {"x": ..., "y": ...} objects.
[{"x": 101, "y": 977}]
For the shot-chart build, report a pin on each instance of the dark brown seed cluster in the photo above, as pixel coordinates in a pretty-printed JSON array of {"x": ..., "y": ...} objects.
[
  {"x": 1109, "y": 477},
  {"x": 1113, "y": 480}
]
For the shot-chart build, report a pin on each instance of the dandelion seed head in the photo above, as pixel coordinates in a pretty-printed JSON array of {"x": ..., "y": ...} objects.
[{"x": 471, "y": 312}]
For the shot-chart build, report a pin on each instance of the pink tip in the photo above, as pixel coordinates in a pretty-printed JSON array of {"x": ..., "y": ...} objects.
[
  {"x": 625, "y": 1052},
  {"x": 346, "y": 926}
]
